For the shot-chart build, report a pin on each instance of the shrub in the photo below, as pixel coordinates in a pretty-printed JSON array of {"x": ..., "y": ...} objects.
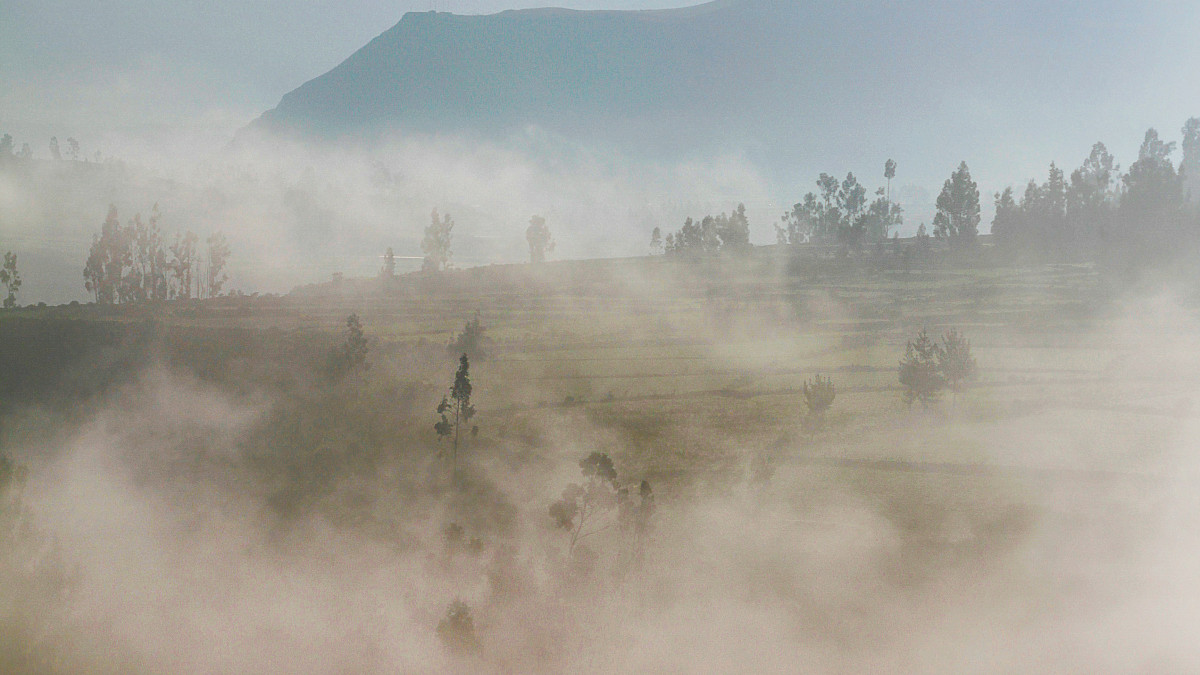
[
  {"x": 955, "y": 361},
  {"x": 457, "y": 629},
  {"x": 920, "y": 374},
  {"x": 819, "y": 395}
]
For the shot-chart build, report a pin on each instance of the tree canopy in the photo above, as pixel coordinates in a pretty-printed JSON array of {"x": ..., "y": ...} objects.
[
  {"x": 436, "y": 244},
  {"x": 537, "y": 235},
  {"x": 957, "y": 218}
]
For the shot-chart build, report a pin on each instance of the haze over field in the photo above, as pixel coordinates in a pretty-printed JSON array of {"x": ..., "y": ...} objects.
[{"x": 477, "y": 336}]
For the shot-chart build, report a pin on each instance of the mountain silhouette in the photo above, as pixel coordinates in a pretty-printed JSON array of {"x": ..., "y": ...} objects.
[{"x": 832, "y": 82}]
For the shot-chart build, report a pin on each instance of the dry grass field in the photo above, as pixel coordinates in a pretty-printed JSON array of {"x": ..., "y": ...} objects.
[{"x": 1042, "y": 500}]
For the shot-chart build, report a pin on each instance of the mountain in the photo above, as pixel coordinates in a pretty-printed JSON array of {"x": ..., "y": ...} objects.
[
  {"x": 828, "y": 83},
  {"x": 616, "y": 72}
]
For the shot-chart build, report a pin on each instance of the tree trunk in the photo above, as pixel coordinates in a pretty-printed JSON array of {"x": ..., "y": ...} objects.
[{"x": 454, "y": 454}]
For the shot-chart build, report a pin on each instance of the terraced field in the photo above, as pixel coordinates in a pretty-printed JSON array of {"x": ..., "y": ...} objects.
[
  {"x": 1049, "y": 496},
  {"x": 721, "y": 343}
]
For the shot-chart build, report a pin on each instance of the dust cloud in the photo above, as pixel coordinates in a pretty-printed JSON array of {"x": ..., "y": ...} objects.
[{"x": 169, "y": 527}]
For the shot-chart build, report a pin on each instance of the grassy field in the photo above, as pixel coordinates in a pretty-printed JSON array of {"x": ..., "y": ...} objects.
[
  {"x": 697, "y": 365},
  {"x": 1036, "y": 489}
]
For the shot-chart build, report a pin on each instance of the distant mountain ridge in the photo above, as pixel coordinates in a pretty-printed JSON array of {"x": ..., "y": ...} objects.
[
  {"x": 563, "y": 69},
  {"x": 835, "y": 83}
]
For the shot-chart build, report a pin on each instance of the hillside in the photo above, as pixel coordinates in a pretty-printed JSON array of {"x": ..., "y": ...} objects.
[{"x": 219, "y": 436}]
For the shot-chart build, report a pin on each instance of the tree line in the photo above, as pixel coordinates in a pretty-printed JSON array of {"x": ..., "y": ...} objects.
[
  {"x": 708, "y": 236},
  {"x": 1147, "y": 214},
  {"x": 1144, "y": 215},
  {"x": 69, "y": 151},
  {"x": 134, "y": 262},
  {"x": 839, "y": 213},
  {"x": 437, "y": 244}
]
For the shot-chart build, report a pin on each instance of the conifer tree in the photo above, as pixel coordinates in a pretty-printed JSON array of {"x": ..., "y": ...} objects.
[
  {"x": 957, "y": 218},
  {"x": 919, "y": 371},
  {"x": 955, "y": 361},
  {"x": 456, "y": 410}
]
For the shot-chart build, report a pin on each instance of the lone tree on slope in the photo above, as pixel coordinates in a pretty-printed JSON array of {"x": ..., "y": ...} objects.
[
  {"x": 352, "y": 354},
  {"x": 581, "y": 504},
  {"x": 540, "y": 241},
  {"x": 955, "y": 361},
  {"x": 472, "y": 341},
  {"x": 10, "y": 279},
  {"x": 436, "y": 244},
  {"x": 818, "y": 395},
  {"x": 457, "y": 629},
  {"x": 957, "y": 218},
  {"x": 889, "y": 172},
  {"x": 457, "y": 405},
  {"x": 919, "y": 371},
  {"x": 389, "y": 264}
]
